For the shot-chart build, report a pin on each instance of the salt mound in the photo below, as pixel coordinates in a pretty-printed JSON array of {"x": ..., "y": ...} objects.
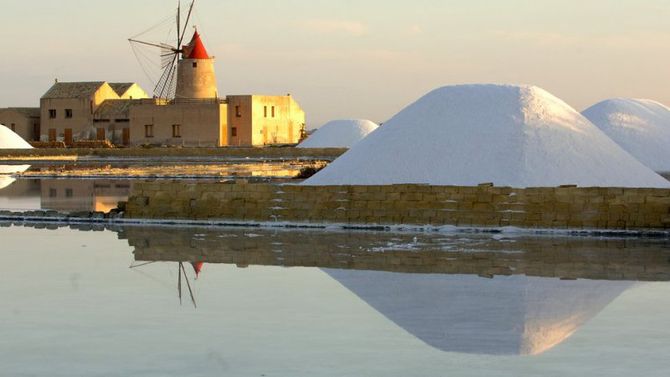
[
  {"x": 339, "y": 134},
  {"x": 10, "y": 140},
  {"x": 641, "y": 127},
  {"x": 519, "y": 136}
]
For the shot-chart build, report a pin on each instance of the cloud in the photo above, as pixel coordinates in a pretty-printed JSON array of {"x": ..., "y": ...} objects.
[
  {"x": 324, "y": 26},
  {"x": 415, "y": 30},
  {"x": 629, "y": 41}
]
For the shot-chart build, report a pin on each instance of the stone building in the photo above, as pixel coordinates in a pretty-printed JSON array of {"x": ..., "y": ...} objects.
[
  {"x": 25, "y": 121},
  {"x": 68, "y": 109},
  {"x": 123, "y": 114},
  {"x": 262, "y": 120}
]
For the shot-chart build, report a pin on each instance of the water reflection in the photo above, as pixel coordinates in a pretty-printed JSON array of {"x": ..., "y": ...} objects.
[
  {"x": 377, "y": 304},
  {"x": 477, "y": 294},
  {"x": 94, "y": 195},
  {"x": 6, "y": 172},
  {"x": 427, "y": 253},
  {"x": 515, "y": 315},
  {"x": 197, "y": 267}
]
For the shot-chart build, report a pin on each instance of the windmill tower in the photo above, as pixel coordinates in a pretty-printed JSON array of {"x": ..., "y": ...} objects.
[
  {"x": 195, "y": 72},
  {"x": 187, "y": 70}
]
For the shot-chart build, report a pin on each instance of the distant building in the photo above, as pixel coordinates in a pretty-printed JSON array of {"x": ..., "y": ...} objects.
[
  {"x": 25, "y": 121},
  {"x": 262, "y": 120},
  {"x": 124, "y": 114},
  {"x": 68, "y": 109}
]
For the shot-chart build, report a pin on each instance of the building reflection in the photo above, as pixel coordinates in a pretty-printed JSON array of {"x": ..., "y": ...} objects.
[
  {"x": 93, "y": 195},
  {"x": 474, "y": 294}
]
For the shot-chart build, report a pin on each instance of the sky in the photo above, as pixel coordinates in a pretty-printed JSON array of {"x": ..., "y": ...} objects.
[{"x": 353, "y": 59}]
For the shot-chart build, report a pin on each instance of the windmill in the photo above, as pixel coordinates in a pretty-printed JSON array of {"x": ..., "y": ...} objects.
[{"x": 165, "y": 86}]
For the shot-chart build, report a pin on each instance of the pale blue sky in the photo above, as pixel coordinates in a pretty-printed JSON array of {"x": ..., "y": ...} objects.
[{"x": 366, "y": 59}]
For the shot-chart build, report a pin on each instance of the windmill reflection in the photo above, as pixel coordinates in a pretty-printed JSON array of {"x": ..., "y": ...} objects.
[{"x": 181, "y": 276}]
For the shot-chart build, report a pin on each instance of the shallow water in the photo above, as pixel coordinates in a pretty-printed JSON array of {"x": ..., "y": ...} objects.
[
  {"x": 97, "y": 187},
  {"x": 316, "y": 303}
]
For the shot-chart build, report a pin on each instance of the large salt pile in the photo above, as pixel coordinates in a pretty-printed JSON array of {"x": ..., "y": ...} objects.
[
  {"x": 641, "y": 127},
  {"x": 10, "y": 140},
  {"x": 340, "y": 134},
  {"x": 519, "y": 136}
]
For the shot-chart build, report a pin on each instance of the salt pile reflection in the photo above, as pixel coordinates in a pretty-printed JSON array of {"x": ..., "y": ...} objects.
[
  {"x": 469, "y": 314},
  {"x": 6, "y": 172}
]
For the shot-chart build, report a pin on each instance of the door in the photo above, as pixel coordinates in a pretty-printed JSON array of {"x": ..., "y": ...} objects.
[
  {"x": 101, "y": 134},
  {"x": 68, "y": 137},
  {"x": 36, "y": 132},
  {"x": 52, "y": 134},
  {"x": 126, "y": 136}
]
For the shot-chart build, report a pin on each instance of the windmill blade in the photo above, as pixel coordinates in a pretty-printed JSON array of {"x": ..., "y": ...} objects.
[
  {"x": 166, "y": 87},
  {"x": 188, "y": 19}
]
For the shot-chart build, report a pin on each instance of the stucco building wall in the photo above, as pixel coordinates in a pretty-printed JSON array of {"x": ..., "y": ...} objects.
[
  {"x": 25, "y": 122},
  {"x": 200, "y": 123},
  {"x": 264, "y": 120}
]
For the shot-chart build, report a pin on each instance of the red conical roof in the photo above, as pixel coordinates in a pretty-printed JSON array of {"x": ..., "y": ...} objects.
[{"x": 195, "y": 49}]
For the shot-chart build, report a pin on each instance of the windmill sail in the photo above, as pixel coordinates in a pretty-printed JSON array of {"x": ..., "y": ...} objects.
[{"x": 168, "y": 53}]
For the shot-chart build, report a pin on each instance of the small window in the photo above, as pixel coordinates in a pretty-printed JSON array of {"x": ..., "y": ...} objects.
[
  {"x": 69, "y": 193},
  {"x": 233, "y": 132},
  {"x": 238, "y": 113},
  {"x": 53, "y": 193},
  {"x": 68, "y": 113},
  {"x": 265, "y": 111},
  {"x": 52, "y": 113},
  {"x": 273, "y": 111},
  {"x": 13, "y": 127},
  {"x": 148, "y": 130},
  {"x": 176, "y": 130},
  {"x": 195, "y": 64}
]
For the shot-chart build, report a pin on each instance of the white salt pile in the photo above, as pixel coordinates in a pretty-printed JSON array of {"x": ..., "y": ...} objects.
[
  {"x": 641, "y": 127},
  {"x": 10, "y": 140},
  {"x": 339, "y": 134},
  {"x": 519, "y": 136}
]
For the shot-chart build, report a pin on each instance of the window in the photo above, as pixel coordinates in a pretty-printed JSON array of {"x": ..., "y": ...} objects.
[
  {"x": 13, "y": 127},
  {"x": 233, "y": 132},
  {"x": 69, "y": 193},
  {"x": 68, "y": 113},
  {"x": 265, "y": 111},
  {"x": 176, "y": 130},
  {"x": 195, "y": 64},
  {"x": 53, "y": 193},
  {"x": 273, "y": 111},
  {"x": 237, "y": 112},
  {"x": 52, "y": 113},
  {"x": 148, "y": 130}
]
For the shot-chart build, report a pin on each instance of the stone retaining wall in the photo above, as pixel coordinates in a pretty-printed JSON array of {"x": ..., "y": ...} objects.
[{"x": 484, "y": 206}]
